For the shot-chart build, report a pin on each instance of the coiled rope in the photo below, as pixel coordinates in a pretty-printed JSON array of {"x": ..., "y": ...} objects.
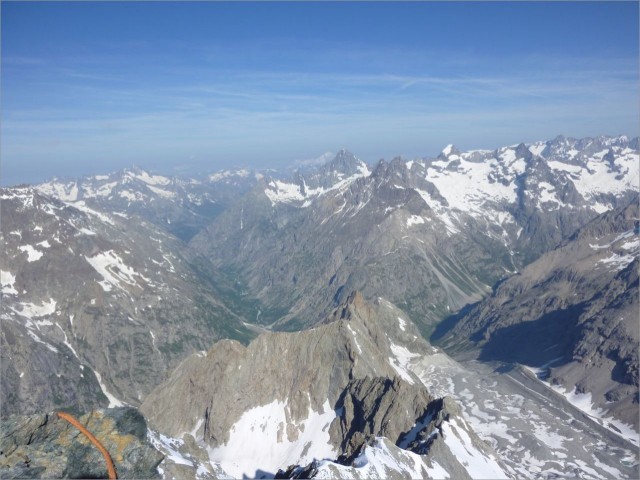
[{"x": 111, "y": 469}]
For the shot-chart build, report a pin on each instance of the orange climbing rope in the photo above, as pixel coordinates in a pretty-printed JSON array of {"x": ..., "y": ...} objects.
[{"x": 110, "y": 466}]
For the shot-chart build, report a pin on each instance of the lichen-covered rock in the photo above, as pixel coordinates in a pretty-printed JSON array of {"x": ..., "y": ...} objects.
[{"x": 46, "y": 446}]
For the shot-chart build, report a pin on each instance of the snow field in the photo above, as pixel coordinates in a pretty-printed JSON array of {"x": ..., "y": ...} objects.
[{"x": 259, "y": 440}]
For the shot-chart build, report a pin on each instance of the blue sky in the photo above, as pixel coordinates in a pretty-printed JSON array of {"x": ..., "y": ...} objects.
[{"x": 94, "y": 87}]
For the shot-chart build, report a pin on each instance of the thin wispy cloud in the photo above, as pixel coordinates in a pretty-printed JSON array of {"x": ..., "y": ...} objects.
[{"x": 266, "y": 97}]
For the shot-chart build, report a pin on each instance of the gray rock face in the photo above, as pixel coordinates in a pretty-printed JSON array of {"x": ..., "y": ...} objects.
[
  {"x": 573, "y": 313},
  {"x": 86, "y": 291},
  {"x": 444, "y": 230},
  {"x": 304, "y": 368},
  {"x": 378, "y": 407},
  {"x": 46, "y": 446}
]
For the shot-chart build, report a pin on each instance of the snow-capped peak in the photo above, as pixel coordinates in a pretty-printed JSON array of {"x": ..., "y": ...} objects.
[{"x": 448, "y": 150}]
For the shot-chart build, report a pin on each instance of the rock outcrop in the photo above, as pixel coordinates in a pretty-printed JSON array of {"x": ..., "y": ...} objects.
[
  {"x": 47, "y": 446},
  {"x": 376, "y": 407},
  {"x": 439, "y": 445}
]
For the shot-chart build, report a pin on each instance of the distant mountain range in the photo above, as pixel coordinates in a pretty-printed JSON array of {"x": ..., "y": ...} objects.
[
  {"x": 182, "y": 206},
  {"x": 284, "y": 324},
  {"x": 432, "y": 235}
]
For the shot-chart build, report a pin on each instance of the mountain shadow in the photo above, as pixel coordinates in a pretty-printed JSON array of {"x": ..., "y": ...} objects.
[{"x": 536, "y": 342}]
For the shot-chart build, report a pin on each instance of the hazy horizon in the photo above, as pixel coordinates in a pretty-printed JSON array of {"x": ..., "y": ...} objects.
[
  {"x": 191, "y": 171},
  {"x": 95, "y": 87}
]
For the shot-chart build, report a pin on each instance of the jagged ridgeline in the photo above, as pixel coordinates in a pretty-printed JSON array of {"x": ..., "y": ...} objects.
[{"x": 224, "y": 308}]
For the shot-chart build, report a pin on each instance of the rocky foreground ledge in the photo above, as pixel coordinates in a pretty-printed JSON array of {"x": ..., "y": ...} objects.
[{"x": 46, "y": 446}]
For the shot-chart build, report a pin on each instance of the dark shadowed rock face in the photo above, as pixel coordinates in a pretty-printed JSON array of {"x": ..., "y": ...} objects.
[
  {"x": 376, "y": 407},
  {"x": 46, "y": 446}
]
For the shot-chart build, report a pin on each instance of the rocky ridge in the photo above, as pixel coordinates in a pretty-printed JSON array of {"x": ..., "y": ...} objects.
[
  {"x": 324, "y": 393},
  {"x": 180, "y": 205}
]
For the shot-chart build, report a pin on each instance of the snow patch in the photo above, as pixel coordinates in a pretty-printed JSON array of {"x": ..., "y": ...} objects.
[
  {"x": 66, "y": 341},
  {"x": 537, "y": 148},
  {"x": 113, "y": 270},
  {"x": 39, "y": 340},
  {"x": 127, "y": 195},
  {"x": 32, "y": 253},
  {"x": 32, "y": 310},
  {"x": 8, "y": 280},
  {"x": 598, "y": 177},
  {"x": 161, "y": 192},
  {"x": 402, "y": 323},
  {"x": 355, "y": 339},
  {"x": 105, "y": 190},
  {"x": 169, "y": 446},
  {"x": 461, "y": 446},
  {"x": 216, "y": 177},
  {"x": 66, "y": 193},
  {"x": 414, "y": 220},
  {"x": 82, "y": 206},
  {"x": 616, "y": 261},
  {"x": 583, "y": 402},
  {"x": 400, "y": 362},
  {"x": 152, "y": 179},
  {"x": 113, "y": 401},
  {"x": 281, "y": 192},
  {"x": 547, "y": 195},
  {"x": 383, "y": 459},
  {"x": 632, "y": 245},
  {"x": 86, "y": 231}
]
